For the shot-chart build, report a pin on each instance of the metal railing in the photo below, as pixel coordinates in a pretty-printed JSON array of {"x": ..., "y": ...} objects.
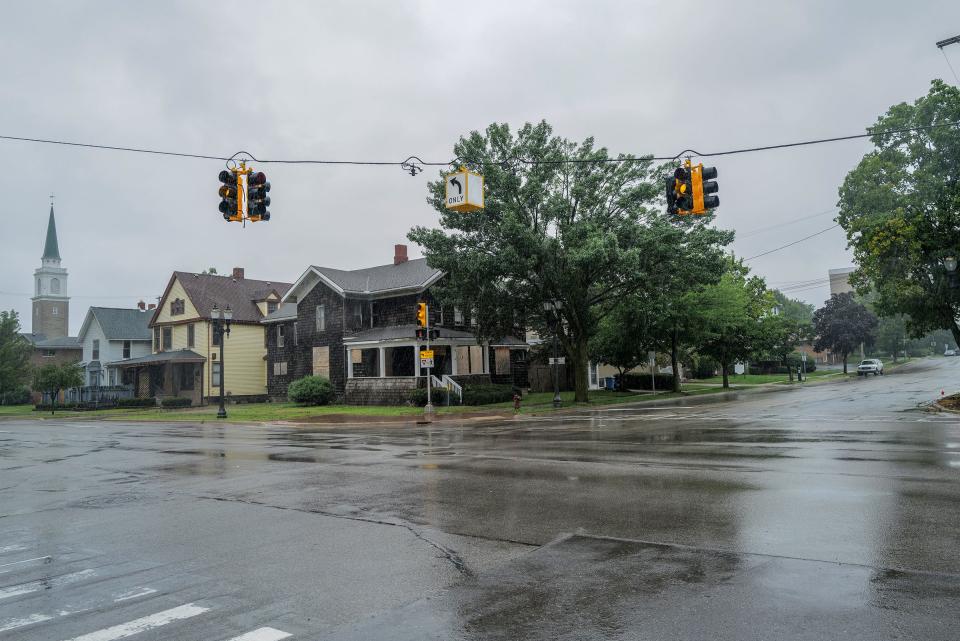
[
  {"x": 453, "y": 386},
  {"x": 98, "y": 393}
]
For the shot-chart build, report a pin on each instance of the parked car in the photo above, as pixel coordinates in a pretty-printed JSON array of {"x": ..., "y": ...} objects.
[
  {"x": 870, "y": 366},
  {"x": 950, "y": 352}
]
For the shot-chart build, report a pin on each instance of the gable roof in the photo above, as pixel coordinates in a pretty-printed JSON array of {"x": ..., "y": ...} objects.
[
  {"x": 412, "y": 275},
  {"x": 40, "y": 341},
  {"x": 285, "y": 312},
  {"x": 119, "y": 323},
  {"x": 240, "y": 294}
]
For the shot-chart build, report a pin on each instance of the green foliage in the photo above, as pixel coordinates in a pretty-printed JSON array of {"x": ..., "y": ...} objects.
[
  {"x": 642, "y": 381},
  {"x": 793, "y": 309},
  {"x": 20, "y": 396},
  {"x": 177, "y": 401},
  {"x": 584, "y": 234},
  {"x": 52, "y": 378},
  {"x": 900, "y": 208},
  {"x": 842, "y": 324},
  {"x": 487, "y": 394},
  {"x": 438, "y": 396},
  {"x": 311, "y": 390},
  {"x": 136, "y": 402},
  {"x": 51, "y": 407},
  {"x": 14, "y": 353}
]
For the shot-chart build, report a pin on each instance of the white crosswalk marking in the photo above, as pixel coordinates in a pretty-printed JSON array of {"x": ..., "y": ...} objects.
[
  {"x": 5, "y": 565},
  {"x": 33, "y": 586},
  {"x": 39, "y": 617},
  {"x": 19, "y": 623},
  {"x": 12, "y": 548},
  {"x": 143, "y": 623},
  {"x": 262, "y": 634},
  {"x": 133, "y": 594}
]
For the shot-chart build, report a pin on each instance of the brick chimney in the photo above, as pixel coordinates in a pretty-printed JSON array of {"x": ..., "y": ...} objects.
[
  {"x": 399, "y": 254},
  {"x": 152, "y": 306},
  {"x": 141, "y": 306},
  {"x": 238, "y": 273}
]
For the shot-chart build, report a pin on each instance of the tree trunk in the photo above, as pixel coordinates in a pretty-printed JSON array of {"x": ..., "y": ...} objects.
[
  {"x": 789, "y": 370},
  {"x": 580, "y": 373},
  {"x": 955, "y": 330},
  {"x": 844, "y": 362},
  {"x": 675, "y": 356},
  {"x": 621, "y": 381},
  {"x": 726, "y": 377}
]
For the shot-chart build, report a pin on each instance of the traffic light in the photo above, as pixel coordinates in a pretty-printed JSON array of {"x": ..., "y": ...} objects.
[
  {"x": 690, "y": 189},
  {"x": 421, "y": 314},
  {"x": 709, "y": 186},
  {"x": 229, "y": 188},
  {"x": 683, "y": 188},
  {"x": 257, "y": 198},
  {"x": 421, "y": 334}
]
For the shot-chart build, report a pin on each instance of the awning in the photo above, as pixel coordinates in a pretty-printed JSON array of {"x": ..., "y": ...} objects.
[{"x": 179, "y": 356}]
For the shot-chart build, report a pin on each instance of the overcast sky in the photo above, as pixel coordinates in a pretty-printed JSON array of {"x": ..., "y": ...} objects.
[{"x": 385, "y": 80}]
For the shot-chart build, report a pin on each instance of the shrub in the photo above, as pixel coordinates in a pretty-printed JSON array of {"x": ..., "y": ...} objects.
[
  {"x": 704, "y": 367},
  {"x": 419, "y": 396},
  {"x": 177, "y": 401},
  {"x": 15, "y": 397},
  {"x": 46, "y": 407},
  {"x": 311, "y": 390},
  {"x": 136, "y": 402},
  {"x": 642, "y": 381},
  {"x": 487, "y": 394}
]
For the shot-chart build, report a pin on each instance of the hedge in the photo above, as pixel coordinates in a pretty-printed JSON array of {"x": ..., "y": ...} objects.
[
  {"x": 642, "y": 381},
  {"x": 15, "y": 397},
  {"x": 47, "y": 407},
  {"x": 136, "y": 402},
  {"x": 438, "y": 396},
  {"x": 311, "y": 390},
  {"x": 487, "y": 394},
  {"x": 177, "y": 401}
]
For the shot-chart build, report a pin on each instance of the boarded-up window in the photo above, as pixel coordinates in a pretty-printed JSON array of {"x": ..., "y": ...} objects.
[
  {"x": 476, "y": 359},
  {"x": 461, "y": 355},
  {"x": 321, "y": 361},
  {"x": 502, "y": 360}
]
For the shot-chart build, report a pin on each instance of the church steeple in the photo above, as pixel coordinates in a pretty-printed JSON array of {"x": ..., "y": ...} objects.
[{"x": 51, "y": 250}]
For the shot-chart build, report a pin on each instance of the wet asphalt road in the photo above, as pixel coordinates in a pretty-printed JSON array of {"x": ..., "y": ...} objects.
[{"x": 820, "y": 512}]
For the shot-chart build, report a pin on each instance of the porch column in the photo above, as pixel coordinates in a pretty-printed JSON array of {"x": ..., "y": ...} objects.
[
  {"x": 349, "y": 363},
  {"x": 383, "y": 361},
  {"x": 453, "y": 360}
]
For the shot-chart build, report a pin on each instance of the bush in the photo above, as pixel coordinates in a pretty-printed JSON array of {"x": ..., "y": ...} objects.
[
  {"x": 15, "y": 397},
  {"x": 177, "y": 401},
  {"x": 487, "y": 394},
  {"x": 419, "y": 396},
  {"x": 46, "y": 407},
  {"x": 136, "y": 402},
  {"x": 642, "y": 381},
  {"x": 704, "y": 367},
  {"x": 311, "y": 390}
]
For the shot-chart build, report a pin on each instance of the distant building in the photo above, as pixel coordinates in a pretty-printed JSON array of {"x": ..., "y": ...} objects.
[
  {"x": 840, "y": 280},
  {"x": 51, "y": 305}
]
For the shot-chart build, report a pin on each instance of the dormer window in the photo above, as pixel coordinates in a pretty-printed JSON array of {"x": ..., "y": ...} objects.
[
  {"x": 177, "y": 307},
  {"x": 271, "y": 306}
]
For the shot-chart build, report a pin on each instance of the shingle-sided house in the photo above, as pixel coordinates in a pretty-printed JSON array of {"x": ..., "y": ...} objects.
[
  {"x": 109, "y": 335},
  {"x": 358, "y": 328},
  {"x": 186, "y": 358}
]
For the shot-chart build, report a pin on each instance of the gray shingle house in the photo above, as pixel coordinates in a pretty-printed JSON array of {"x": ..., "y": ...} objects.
[
  {"x": 109, "y": 335},
  {"x": 358, "y": 328}
]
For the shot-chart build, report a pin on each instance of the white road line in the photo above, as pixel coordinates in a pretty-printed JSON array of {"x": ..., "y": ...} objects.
[
  {"x": 34, "y": 586},
  {"x": 143, "y": 623},
  {"x": 11, "y": 624},
  {"x": 262, "y": 634},
  {"x": 133, "y": 594},
  {"x": 12, "y": 548},
  {"x": 39, "y": 558}
]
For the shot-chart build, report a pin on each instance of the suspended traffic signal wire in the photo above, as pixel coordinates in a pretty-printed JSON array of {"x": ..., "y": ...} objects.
[
  {"x": 790, "y": 221},
  {"x": 505, "y": 162},
  {"x": 954, "y": 71},
  {"x": 822, "y": 231}
]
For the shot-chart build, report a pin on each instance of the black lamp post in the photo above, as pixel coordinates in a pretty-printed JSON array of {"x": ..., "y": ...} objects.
[
  {"x": 950, "y": 264},
  {"x": 221, "y": 328},
  {"x": 553, "y": 307}
]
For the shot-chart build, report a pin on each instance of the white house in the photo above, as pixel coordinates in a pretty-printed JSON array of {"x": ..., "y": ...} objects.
[{"x": 109, "y": 334}]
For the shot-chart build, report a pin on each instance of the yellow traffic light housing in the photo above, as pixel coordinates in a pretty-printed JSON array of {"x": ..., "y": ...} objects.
[
  {"x": 688, "y": 192},
  {"x": 421, "y": 314}
]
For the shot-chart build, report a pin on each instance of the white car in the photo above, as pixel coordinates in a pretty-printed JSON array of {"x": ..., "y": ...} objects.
[
  {"x": 870, "y": 366},
  {"x": 950, "y": 352}
]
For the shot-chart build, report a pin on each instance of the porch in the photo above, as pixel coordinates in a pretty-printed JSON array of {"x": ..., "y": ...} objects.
[{"x": 165, "y": 375}]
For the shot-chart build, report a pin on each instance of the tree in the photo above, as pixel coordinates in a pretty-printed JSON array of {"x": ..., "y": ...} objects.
[
  {"x": 793, "y": 309},
  {"x": 782, "y": 334},
  {"x": 842, "y": 324},
  {"x": 210, "y": 270},
  {"x": 584, "y": 234},
  {"x": 732, "y": 318},
  {"x": 900, "y": 208},
  {"x": 892, "y": 334},
  {"x": 622, "y": 339},
  {"x": 14, "y": 353},
  {"x": 52, "y": 378}
]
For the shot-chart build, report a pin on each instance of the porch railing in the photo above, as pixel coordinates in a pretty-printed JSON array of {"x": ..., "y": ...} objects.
[
  {"x": 98, "y": 393},
  {"x": 453, "y": 386}
]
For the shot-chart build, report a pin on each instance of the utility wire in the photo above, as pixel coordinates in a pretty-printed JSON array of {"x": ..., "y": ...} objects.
[
  {"x": 525, "y": 161},
  {"x": 954, "y": 71},
  {"x": 822, "y": 231},
  {"x": 791, "y": 221}
]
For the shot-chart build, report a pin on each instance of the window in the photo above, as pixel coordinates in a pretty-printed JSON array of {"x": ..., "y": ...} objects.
[
  {"x": 502, "y": 360},
  {"x": 215, "y": 374},
  {"x": 321, "y": 318},
  {"x": 216, "y": 337},
  {"x": 271, "y": 306},
  {"x": 186, "y": 377},
  {"x": 457, "y": 316},
  {"x": 113, "y": 377},
  {"x": 167, "y": 338},
  {"x": 156, "y": 339},
  {"x": 126, "y": 349},
  {"x": 55, "y": 311},
  {"x": 295, "y": 337},
  {"x": 49, "y": 352},
  {"x": 280, "y": 368},
  {"x": 55, "y": 286},
  {"x": 358, "y": 314},
  {"x": 191, "y": 335},
  {"x": 176, "y": 307},
  {"x": 96, "y": 349},
  {"x": 281, "y": 330}
]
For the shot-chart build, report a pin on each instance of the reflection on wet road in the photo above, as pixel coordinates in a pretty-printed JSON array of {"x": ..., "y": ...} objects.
[{"x": 837, "y": 502}]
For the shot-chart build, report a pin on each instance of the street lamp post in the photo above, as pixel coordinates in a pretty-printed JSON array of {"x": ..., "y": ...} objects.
[
  {"x": 553, "y": 307},
  {"x": 950, "y": 264},
  {"x": 221, "y": 328}
]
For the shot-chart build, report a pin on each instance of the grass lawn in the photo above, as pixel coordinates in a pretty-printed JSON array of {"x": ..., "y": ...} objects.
[
  {"x": 16, "y": 410},
  {"x": 763, "y": 379}
]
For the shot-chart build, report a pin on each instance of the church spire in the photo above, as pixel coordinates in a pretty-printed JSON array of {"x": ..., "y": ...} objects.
[{"x": 51, "y": 251}]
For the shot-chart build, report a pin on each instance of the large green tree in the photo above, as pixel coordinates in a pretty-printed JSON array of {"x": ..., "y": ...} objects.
[
  {"x": 585, "y": 234},
  {"x": 900, "y": 208},
  {"x": 51, "y": 379},
  {"x": 842, "y": 325},
  {"x": 14, "y": 353}
]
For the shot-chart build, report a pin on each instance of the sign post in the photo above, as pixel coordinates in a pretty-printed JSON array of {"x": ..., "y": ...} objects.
[{"x": 652, "y": 357}]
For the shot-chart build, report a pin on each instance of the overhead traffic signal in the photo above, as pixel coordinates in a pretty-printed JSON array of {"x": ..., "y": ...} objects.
[
  {"x": 230, "y": 188},
  {"x": 257, "y": 198},
  {"x": 689, "y": 190},
  {"x": 421, "y": 314}
]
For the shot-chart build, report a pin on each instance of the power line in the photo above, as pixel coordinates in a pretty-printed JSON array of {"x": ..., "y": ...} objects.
[
  {"x": 822, "y": 231},
  {"x": 945, "y": 57},
  {"x": 507, "y": 161},
  {"x": 791, "y": 221}
]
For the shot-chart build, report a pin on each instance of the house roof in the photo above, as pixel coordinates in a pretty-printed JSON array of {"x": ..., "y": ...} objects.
[
  {"x": 50, "y": 248},
  {"x": 240, "y": 294},
  {"x": 412, "y": 275},
  {"x": 509, "y": 341},
  {"x": 41, "y": 341},
  {"x": 285, "y": 312},
  {"x": 119, "y": 323},
  {"x": 398, "y": 332},
  {"x": 178, "y": 356}
]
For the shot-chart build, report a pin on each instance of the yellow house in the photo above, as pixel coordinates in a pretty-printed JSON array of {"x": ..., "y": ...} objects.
[{"x": 187, "y": 360}]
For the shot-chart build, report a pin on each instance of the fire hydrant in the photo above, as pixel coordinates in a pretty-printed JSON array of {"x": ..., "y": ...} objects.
[{"x": 516, "y": 403}]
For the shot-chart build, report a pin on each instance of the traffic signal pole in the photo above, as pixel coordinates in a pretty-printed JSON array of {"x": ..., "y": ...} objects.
[{"x": 428, "y": 410}]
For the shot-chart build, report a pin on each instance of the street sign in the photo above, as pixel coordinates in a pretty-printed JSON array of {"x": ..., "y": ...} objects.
[
  {"x": 562, "y": 360},
  {"x": 803, "y": 356},
  {"x": 426, "y": 353},
  {"x": 652, "y": 358},
  {"x": 426, "y": 362},
  {"x": 463, "y": 191}
]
